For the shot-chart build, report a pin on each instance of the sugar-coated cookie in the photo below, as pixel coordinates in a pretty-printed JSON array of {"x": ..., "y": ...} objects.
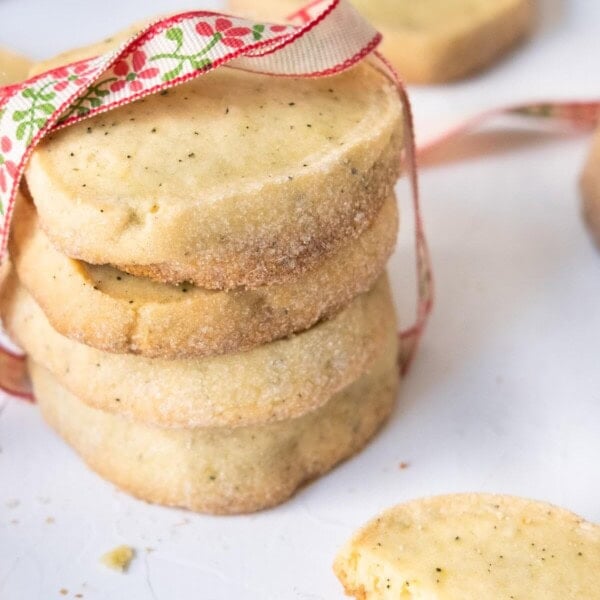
[
  {"x": 429, "y": 41},
  {"x": 272, "y": 382},
  {"x": 590, "y": 189},
  {"x": 473, "y": 547},
  {"x": 232, "y": 179},
  {"x": 116, "y": 312},
  {"x": 219, "y": 470}
]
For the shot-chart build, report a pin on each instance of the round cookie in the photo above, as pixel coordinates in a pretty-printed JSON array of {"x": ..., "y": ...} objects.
[
  {"x": 232, "y": 179},
  {"x": 105, "y": 308},
  {"x": 590, "y": 189},
  {"x": 272, "y": 382},
  {"x": 429, "y": 41},
  {"x": 219, "y": 470},
  {"x": 471, "y": 547}
]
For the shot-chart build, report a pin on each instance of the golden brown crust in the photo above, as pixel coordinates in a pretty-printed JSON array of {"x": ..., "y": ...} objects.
[
  {"x": 272, "y": 382},
  {"x": 590, "y": 189},
  {"x": 422, "y": 49},
  {"x": 221, "y": 471},
  {"x": 287, "y": 257},
  {"x": 111, "y": 311}
]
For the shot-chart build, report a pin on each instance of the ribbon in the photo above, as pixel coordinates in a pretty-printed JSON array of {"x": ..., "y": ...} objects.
[
  {"x": 14, "y": 380},
  {"x": 584, "y": 115},
  {"x": 331, "y": 38}
]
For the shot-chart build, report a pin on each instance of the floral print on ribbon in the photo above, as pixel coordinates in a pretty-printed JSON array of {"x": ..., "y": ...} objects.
[
  {"x": 224, "y": 31},
  {"x": 8, "y": 169},
  {"x": 133, "y": 72},
  {"x": 78, "y": 74}
]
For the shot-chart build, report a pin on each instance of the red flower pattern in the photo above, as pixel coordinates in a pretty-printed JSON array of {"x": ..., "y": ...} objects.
[
  {"x": 7, "y": 167},
  {"x": 230, "y": 36},
  {"x": 78, "y": 74},
  {"x": 133, "y": 74}
]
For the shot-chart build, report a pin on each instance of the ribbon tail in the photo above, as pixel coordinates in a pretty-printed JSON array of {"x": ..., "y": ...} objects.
[
  {"x": 409, "y": 338},
  {"x": 584, "y": 115},
  {"x": 14, "y": 379}
]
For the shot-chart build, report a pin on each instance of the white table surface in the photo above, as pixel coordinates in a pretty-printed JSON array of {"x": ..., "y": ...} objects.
[{"x": 504, "y": 396}]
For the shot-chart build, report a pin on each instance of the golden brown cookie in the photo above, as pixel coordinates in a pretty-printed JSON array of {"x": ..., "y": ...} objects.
[
  {"x": 590, "y": 189},
  {"x": 429, "y": 41},
  {"x": 219, "y": 470},
  {"x": 473, "y": 547},
  {"x": 105, "y": 308},
  {"x": 280, "y": 380},
  {"x": 232, "y": 179}
]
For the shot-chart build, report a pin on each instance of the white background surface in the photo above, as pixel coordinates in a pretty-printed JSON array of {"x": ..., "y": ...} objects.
[{"x": 504, "y": 395}]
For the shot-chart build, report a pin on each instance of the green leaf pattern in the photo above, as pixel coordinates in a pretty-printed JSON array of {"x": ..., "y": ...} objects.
[
  {"x": 33, "y": 118},
  {"x": 93, "y": 98},
  {"x": 198, "y": 61}
]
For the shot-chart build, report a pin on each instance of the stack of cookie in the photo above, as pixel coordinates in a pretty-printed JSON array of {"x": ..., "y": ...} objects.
[{"x": 199, "y": 283}]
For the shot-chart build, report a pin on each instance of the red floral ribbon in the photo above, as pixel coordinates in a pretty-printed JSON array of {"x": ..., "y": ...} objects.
[{"x": 330, "y": 38}]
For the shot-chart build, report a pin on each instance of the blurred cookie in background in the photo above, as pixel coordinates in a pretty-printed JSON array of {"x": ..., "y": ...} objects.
[
  {"x": 13, "y": 67},
  {"x": 429, "y": 41}
]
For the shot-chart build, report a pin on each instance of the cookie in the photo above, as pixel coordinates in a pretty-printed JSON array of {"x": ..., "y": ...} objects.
[
  {"x": 429, "y": 41},
  {"x": 232, "y": 179},
  {"x": 219, "y": 470},
  {"x": 13, "y": 67},
  {"x": 471, "y": 547},
  {"x": 105, "y": 308},
  {"x": 590, "y": 189},
  {"x": 272, "y": 382}
]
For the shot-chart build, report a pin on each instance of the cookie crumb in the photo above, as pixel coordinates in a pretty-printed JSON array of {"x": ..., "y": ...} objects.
[{"x": 118, "y": 558}]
